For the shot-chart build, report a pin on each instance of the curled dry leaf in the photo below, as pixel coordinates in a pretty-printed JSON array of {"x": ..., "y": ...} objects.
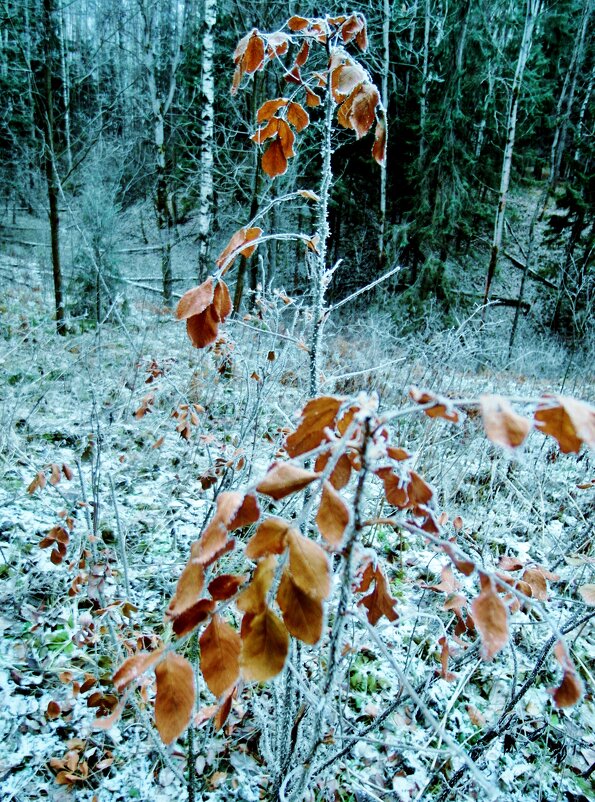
[
  {"x": 253, "y": 598},
  {"x": 265, "y": 643},
  {"x": 535, "y": 578},
  {"x": 569, "y": 421},
  {"x": 441, "y": 407},
  {"x": 379, "y": 146},
  {"x": 297, "y": 116},
  {"x": 332, "y": 517},
  {"x": 133, "y": 667},
  {"x": 192, "y": 616},
  {"x": 501, "y": 423},
  {"x": 297, "y": 23},
  {"x": 490, "y": 615},
  {"x": 174, "y": 700},
  {"x": 282, "y": 480},
  {"x": 379, "y": 602},
  {"x": 219, "y": 656},
  {"x": 238, "y": 246},
  {"x": 225, "y": 586},
  {"x": 302, "y": 614}
]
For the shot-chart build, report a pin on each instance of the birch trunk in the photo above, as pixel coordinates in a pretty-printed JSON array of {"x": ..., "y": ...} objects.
[
  {"x": 533, "y": 8},
  {"x": 423, "y": 108},
  {"x": 207, "y": 100}
]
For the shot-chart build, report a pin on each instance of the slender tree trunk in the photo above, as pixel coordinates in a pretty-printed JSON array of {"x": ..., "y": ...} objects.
[
  {"x": 423, "y": 110},
  {"x": 566, "y": 99},
  {"x": 207, "y": 101},
  {"x": 580, "y": 128},
  {"x": 531, "y": 15},
  {"x": 384, "y": 94},
  {"x": 47, "y": 108},
  {"x": 411, "y": 42},
  {"x": 65, "y": 91}
]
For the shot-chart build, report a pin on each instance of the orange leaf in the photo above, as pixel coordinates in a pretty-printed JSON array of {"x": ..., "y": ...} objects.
[
  {"x": 312, "y": 99},
  {"x": 536, "y": 581},
  {"x": 55, "y": 474},
  {"x": 133, "y": 667},
  {"x": 298, "y": 116},
  {"x": 569, "y": 421},
  {"x": 302, "y": 615},
  {"x": 379, "y": 146},
  {"x": 188, "y": 589},
  {"x": 282, "y": 480},
  {"x": 192, "y": 616},
  {"x": 441, "y": 408},
  {"x": 237, "y": 243},
  {"x": 253, "y": 598},
  {"x": 219, "y": 656},
  {"x": 316, "y": 416},
  {"x": 274, "y": 161},
  {"x": 570, "y": 690},
  {"x": 380, "y": 602},
  {"x": 225, "y": 586},
  {"x": 203, "y": 329},
  {"x": 303, "y": 54},
  {"x": 277, "y": 44},
  {"x": 175, "y": 696},
  {"x": 270, "y": 107},
  {"x": 359, "y": 110},
  {"x": 247, "y": 514},
  {"x": 266, "y": 132},
  {"x": 333, "y": 515},
  {"x": 270, "y": 538},
  {"x": 502, "y": 425},
  {"x": 491, "y": 619},
  {"x": 253, "y": 58},
  {"x": 37, "y": 483},
  {"x": 287, "y": 138},
  {"x": 308, "y": 565},
  {"x": 296, "y": 23},
  {"x": 344, "y": 79},
  {"x": 214, "y": 537},
  {"x": 223, "y": 711},
  {"x": 341, "y": 472},
  {"x": 195, "y": 300},
  {"x": 264, "y": 647}
]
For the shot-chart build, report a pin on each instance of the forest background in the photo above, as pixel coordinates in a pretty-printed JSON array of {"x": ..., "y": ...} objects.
[{"x": 127, "y": 164}]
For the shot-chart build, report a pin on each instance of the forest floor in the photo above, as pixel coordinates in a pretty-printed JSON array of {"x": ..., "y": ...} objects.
[{"x": 100, "y": 401}]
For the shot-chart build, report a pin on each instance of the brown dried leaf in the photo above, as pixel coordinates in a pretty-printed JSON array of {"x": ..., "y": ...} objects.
[
  {"x": 133, "y": 667},
  {"x": 174, "y": 700},
  {"x": 188, "y": 588},
  {"x": 270, "y": 538},
  {"x": 195, "y": 300},
  {"x": 297, "y": 23},
  {"x": 316, "y": 416},
  {"x": 501, "y": 423},
  {"x": 569, "y": 421},
  {"x": 269, "y": 108},
  {"x": 282, "y": 480},
  {"x": 192, "y": 616},
  {"x": 265, "y": 644},
  {"x": 491, "y": 620},
  {"x": 441, "y": 407},
  {"x": 379, "y": 602},
  {"x": 225, "y": 586},
  {"x": 302, "y": 615},
  {"x": 237, "y": 245},
  {"x": 333, "y": 516},
  {"x": 308, "y": 565},
  {"x": 274, "y": 161},
  {"x": 220, "y": 656},
  {"x": 298, "y": 116},
  {"x": 253, "y": 598}
]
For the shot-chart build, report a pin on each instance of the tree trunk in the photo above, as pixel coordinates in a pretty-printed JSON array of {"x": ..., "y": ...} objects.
[
  {"x": 384, "y": 94},
  {"x": 47, "y": 109},
  {"x": 207, "y": 101},
  {"x": 423, "y": 110},
  {"x": 532, "y": 13}
]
